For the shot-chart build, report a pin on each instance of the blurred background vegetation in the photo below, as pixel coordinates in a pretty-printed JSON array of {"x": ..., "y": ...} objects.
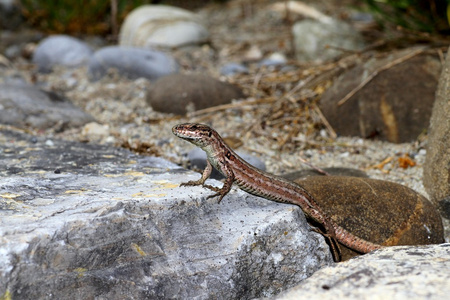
[
  {"x": 87, "y": 16},
  {"x": 104, "y": 16},
  {"x": 419, "y": 15},
  {"x": 76, "y": 16}
]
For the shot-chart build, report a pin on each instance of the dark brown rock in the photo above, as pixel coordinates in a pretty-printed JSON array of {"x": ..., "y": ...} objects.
[
  {"x": 436, "y": 171},
  {"x": 174, "y": 93},
  {"x": 394, "y": 106},
  {"x": 379, "y": 211}
]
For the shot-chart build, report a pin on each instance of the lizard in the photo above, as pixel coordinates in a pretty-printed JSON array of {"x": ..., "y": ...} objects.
[{"x": 263, "y": 184}]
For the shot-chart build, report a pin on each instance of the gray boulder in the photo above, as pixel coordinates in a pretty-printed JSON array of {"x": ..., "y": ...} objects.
[{"x": 82, "y": 221}]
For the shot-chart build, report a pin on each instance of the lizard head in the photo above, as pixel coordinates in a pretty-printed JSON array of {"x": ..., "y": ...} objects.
[{"x": 198, "y": 134}]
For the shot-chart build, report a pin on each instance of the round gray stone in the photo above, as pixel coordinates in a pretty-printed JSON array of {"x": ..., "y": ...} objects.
[
  {"x": 61, "y": 50},
  {"x": 132, "y": 63}
]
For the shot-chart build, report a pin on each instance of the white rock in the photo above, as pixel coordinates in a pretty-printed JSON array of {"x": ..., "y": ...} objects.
[
  {"x": 254, "y": 53},
  {"x": 163, "y": 26},
  {"x": 407, "y": 272},
  {"x": 278, "y": 57},
  {"x": 49, "y": 143},
  {"x": 95, "y": 129}
]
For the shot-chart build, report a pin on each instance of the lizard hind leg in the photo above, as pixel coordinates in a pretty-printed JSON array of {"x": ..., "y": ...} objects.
[
  {"x": 192, "y": 182},
  {"x": 221, "y": 192},
  {"x": 212, "y": 188},
  {"x": 333, "y": 243}
]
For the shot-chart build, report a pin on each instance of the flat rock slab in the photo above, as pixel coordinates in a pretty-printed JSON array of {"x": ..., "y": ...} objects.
[
  {"x": 392, "y": 273},
  {"x": 24, "y": 106},
  {"x": 84, "y": 221}
]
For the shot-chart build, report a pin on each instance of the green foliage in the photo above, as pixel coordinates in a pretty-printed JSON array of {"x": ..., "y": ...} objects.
[
  {"x": 75, "y": 16},
  {"x": 421, "y": 15}
]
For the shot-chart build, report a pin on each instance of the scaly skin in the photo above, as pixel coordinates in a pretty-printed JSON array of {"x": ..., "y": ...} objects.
[{"x": 260, "y": 183}]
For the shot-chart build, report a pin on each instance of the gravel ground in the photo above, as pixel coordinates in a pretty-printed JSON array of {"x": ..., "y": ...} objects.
[
  {"x": 235, "y": 27},
  {"x": 121, "y": 105}
]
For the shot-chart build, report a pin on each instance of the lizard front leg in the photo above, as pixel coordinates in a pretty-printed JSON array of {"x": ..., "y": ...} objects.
[{"x": 205, "y": 175}]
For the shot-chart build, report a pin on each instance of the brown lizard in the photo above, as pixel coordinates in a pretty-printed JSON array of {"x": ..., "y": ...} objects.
[{"x": 260, "y": 183}]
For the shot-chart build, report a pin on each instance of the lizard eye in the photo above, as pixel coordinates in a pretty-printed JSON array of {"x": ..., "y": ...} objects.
[
  {"x": 209, "y": 133},
  {"x": 228, "y": 154}
]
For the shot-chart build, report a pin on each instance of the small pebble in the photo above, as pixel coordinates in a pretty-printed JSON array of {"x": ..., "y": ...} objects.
[{"x": 233, "y": 68}]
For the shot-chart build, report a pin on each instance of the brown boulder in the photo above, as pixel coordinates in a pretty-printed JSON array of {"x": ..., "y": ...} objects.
[
  {"x": 180, "y": 93},
  {"x": 379, "y": 211},
  {"x": 394, "y": 106}
]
